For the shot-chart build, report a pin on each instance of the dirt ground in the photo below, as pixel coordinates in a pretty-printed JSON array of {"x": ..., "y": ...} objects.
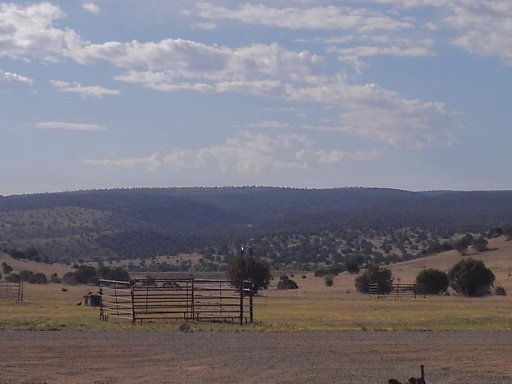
[{"x": 127, "y": 357}]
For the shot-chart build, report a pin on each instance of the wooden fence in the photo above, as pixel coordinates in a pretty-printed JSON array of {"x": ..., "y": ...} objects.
[
  {"x": 11, "y": 292},
  {"x": 175, "y": 299}
]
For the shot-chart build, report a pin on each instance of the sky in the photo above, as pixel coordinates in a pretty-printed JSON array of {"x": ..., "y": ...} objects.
[{"x": 408, "y": 94}]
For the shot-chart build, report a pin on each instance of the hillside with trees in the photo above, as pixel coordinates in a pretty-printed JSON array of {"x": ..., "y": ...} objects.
[{"x": 343, "y": 228}]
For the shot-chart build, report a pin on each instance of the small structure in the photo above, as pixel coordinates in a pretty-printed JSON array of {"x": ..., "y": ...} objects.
[{"x": 93, "y": 300}]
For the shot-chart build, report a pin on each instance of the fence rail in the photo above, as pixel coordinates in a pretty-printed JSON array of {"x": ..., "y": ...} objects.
[
  {"x": 176, "y": 299},
  {"x": 397, "y": 290},
  {"x": 11, "y": 292}
]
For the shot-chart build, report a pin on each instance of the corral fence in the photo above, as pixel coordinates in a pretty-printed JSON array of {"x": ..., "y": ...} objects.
[
  {"x": 397, "y": 290},
  {"x": 11, "y": 292},
  {"x": 176, "y": 299}
]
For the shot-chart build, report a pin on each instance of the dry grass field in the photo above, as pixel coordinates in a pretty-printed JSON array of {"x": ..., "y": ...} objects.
[{"x": 313, "y": 334}]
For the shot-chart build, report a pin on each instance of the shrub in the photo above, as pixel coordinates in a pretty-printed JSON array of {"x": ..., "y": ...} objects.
[
  {"x": 375, "y": 274},
  {"x": 432, "y": 281},
  {"x": 329, "y": 280},
  {"x": 286, "y": 283},
  {"x": 500, "y": 291},
  {"x": 257, "y": 269},
  {"x": 6, "y": 268},
  {"x": 32, "y": 278},
  {"x": 117, "y": 273},
  {"x": 352, "y": 267},
  {"x": 471, "y": 278},
  {"x": 480, "y": 244},
  {"x": 334, "y": 269},
  {"x": 86, "y": 274},
  {"x": 13, "y": 278},
  {"x": 69, "y": 278}
]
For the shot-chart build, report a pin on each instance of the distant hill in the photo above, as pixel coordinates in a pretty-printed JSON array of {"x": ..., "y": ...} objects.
[{"x": 145, "y": 222}]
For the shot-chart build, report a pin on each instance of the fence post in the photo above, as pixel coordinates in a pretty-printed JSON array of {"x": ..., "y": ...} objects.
[{"x": 193, "y": 300}]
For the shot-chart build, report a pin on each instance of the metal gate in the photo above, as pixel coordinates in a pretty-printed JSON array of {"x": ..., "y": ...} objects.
[
  {"x": 176, "y": 299},
  {"x": 11, "y": 292}
]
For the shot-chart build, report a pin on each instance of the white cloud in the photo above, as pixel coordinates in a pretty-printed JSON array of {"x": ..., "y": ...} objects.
[
  {"x": 28, "y": 32},
  {"x": 184, "y": 59},
  {"x": 312, "y": 159},
  {"x": 11, "y": 81},
  {"x": 485, "y": 27},
  {"x": 246, "y": 153},
  {"x": 91, "y": 7},
  {"x": 59, "y": 125},
  {"x": 94, "y": 91},
  {"x": 384, "y": 46},
  {"x": 271, "y": 125},
  {"x": 172, "y": 65},
  {"x": 318, "y": 17},
  {"x": 206, "y": 26},
  {"x": 374, "y": 113},
  {"x": 482, "y": 27}
]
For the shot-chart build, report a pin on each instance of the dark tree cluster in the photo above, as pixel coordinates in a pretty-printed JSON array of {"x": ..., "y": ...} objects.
[
  {"x": 86, "y": 274},
  {"x": 27, "y": 276}
]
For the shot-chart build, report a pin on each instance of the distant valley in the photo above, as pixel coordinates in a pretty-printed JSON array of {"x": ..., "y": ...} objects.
[{"x": 291, "y": 227}]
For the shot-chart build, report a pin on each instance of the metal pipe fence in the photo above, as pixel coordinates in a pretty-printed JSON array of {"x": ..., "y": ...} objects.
[
  {"x": 176, "y": 299},
  {"x": 397, "y": 290},
  {"x": 11, "y": 292}
]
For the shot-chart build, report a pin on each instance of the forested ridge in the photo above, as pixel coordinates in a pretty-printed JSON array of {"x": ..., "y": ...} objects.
[{"x": 147, "y": 222}]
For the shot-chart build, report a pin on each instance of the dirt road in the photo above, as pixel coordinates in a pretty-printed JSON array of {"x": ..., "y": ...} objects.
[{"x": 254, "y": 357}]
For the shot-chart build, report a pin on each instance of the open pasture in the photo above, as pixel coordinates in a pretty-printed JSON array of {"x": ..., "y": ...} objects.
[
  {"x": 313, "y": 334},
  {"x": 311, "y": 307}
]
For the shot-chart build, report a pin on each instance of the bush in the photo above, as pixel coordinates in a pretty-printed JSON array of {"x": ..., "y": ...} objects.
[
  {"x": 69, "y": 278},
  {"x": 257, "y": 269},
  {"x": 329, "y": 280},
  {"x": 33, "y": 278},
  {"x": 432, "y": 281},
  {"x": 334, "y": 269},
  {"x": 86, "y": 274},
  {"x": 117, "y": 273},
  {"x": 352, "y": 267},
  {"x": 374, "y": 274},
  {"x": 480, "y": 244},
  {"x": 13, "y": 278},
  {"x": 471, "y": 278},
  {"x": 6, "y": 268},
  {"x": 286, "y": 283},
  {"x": 500, "y": 291}
]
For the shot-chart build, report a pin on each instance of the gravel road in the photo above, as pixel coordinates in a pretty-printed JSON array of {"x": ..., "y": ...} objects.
[{"x": 129, "y": 357}]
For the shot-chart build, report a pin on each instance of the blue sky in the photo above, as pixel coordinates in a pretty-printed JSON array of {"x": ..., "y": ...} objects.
[{"x": 410, "y": 94}]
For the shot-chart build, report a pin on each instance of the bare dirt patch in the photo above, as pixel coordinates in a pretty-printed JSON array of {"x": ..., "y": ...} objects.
[{"x": 467, "y": 357}]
